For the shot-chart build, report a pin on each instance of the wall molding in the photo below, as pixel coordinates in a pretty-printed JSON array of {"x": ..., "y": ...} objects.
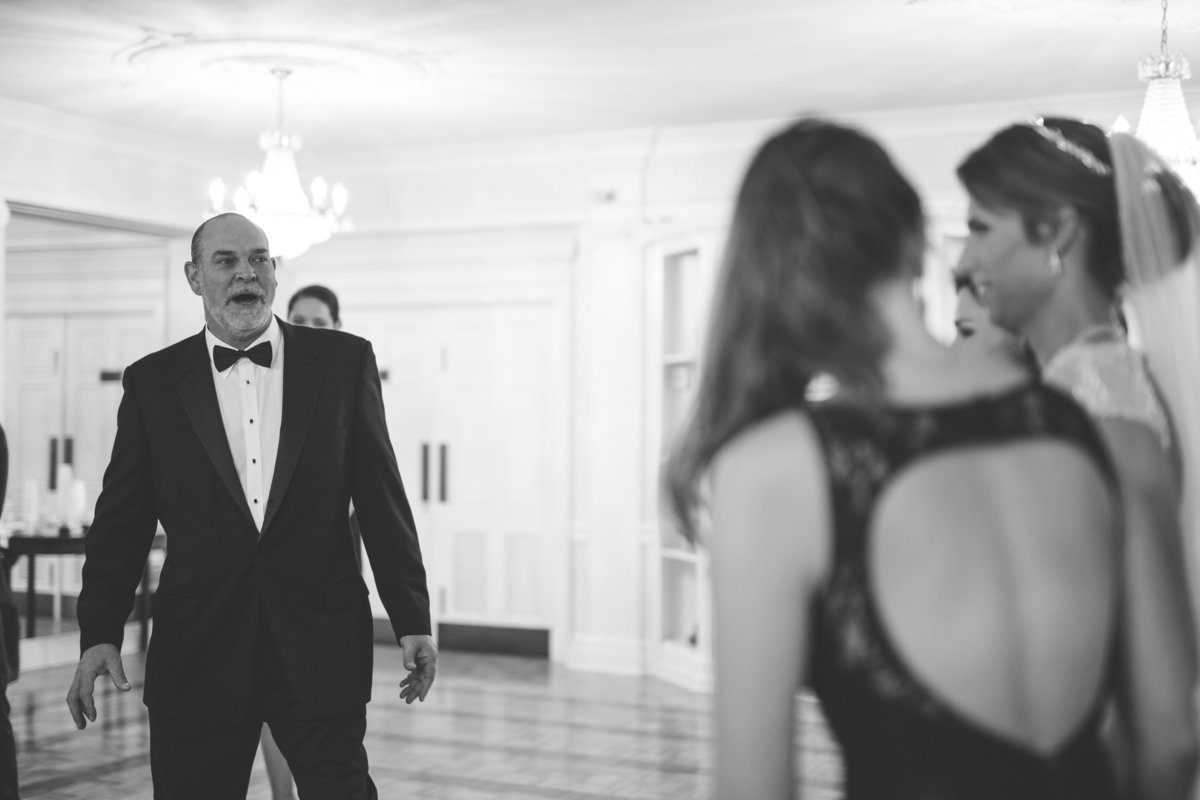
[
  {"x": 93, "y": 169},
  {"x": 98, "y": 220}
]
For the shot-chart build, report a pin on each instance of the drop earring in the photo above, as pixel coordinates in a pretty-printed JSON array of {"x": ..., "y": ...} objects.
[{"x": 1054, "y": 264}]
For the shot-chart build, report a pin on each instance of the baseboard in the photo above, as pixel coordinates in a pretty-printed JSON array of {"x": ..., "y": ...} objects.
[{"x": 533, "y": 642}]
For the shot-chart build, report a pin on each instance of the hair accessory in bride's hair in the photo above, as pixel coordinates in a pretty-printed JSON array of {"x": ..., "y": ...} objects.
[{"x": 1078, "y": 152}]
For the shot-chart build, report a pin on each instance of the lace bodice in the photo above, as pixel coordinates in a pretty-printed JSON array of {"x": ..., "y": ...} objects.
[
  {"x": 1111, "y": 380},
  {"x": 899, "y": 740}
]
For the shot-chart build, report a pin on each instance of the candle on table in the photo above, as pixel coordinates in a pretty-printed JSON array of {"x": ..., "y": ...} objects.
[
  {"x": 63, "y": 491},
  {"x": 78, "y": 504},
  {"x": 29, "y": 505}
]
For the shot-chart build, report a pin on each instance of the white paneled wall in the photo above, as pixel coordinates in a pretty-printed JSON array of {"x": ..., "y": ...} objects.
[{"x": 471, "y": 329}]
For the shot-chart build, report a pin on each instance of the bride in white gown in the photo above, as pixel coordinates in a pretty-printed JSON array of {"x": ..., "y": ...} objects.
[{"x": 1067, "y": 226}]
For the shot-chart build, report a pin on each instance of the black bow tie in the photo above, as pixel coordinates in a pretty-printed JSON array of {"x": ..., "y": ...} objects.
[{"x": 226, "y": 357}]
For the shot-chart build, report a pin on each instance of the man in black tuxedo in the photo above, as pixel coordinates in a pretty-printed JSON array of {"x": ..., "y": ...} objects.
[
  {"x": 247, "y": 443},
  {"x": 8, "y": 743}
]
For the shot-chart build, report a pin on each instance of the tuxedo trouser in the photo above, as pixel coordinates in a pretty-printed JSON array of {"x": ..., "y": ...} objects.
[
  {"x": 212, "y": 760},
  {"x": 8, "y": 747}
]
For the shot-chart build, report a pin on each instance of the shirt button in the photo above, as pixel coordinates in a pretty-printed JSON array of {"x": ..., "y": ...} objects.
[
  {"x": 256, "y": 501},
  {"x": 251, "y": 422},
  {"x": 254, "y": 461}
]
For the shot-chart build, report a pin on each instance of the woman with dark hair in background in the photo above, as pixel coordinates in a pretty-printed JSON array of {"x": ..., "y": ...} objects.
[
  {"x": 314, "y": 306},
  {"x": 1063, "y": 220},
  {"x": 935, "y": 549}
]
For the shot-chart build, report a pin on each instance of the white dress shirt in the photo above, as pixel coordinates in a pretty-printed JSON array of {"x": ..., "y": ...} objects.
[{"x": 251, "y": 401}]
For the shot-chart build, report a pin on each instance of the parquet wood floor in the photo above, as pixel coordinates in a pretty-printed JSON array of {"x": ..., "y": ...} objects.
[{"x": 494, "y": 727}]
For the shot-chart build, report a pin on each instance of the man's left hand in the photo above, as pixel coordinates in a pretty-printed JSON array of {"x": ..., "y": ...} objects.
[{"x": 420, "y": 659}]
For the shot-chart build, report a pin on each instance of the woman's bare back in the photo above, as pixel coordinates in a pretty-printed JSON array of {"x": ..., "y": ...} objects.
[{"x": 994, "y": 570}]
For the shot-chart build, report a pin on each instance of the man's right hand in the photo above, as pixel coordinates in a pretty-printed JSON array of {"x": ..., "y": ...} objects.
[{"x": 100, "y": 659}]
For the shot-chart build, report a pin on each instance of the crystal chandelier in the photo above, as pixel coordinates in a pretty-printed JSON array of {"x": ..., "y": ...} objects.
[
  {"x": 274, "y": 200},
  {"x": 1164, "y": 123}
]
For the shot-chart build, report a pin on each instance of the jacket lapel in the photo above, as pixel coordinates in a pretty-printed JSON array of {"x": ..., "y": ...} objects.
[
  {"x": 199, "y": 398},
  {"x": 301, "y": 386}
]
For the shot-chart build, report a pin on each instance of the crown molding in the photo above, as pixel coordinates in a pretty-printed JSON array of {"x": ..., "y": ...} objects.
[{"x": 682, "y": 141}]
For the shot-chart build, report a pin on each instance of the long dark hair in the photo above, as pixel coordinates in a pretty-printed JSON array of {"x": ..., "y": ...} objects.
[
  {"x": 822, "y": 216},
  {"x": 1018, "y": 169}
]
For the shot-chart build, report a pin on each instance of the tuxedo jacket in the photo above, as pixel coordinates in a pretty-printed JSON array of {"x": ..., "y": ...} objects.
[
  {"x": 222, "y": 578},
  {"x": 9, "y": 626}
]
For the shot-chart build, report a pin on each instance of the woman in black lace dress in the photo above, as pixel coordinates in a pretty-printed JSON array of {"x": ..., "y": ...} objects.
[{"x": 935, "y": 550}]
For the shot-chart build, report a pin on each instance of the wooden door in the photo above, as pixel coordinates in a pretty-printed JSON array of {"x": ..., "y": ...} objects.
[
  {"x": 407, "y": 371},
  {"x": 495, "y": 452},
  {"x": 98, "y": 349},
  {"x": 467, "y": 395},
  {"x": 33, "y": 408},
  {"x": 64, "y": 386}
]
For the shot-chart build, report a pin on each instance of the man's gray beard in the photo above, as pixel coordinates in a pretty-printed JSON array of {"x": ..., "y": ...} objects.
[{"x": 240, "y": 321}]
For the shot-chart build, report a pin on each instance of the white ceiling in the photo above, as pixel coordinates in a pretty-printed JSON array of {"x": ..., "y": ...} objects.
[{"x": 198, "y": 69}]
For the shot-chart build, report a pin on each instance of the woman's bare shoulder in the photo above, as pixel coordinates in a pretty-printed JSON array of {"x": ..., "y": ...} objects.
[
  {"x": 770, "y": 489},
  {"x": 787, "y": 438}
]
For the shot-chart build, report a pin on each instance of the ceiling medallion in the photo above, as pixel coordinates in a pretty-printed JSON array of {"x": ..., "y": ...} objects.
[{"x": 171, "y": 55}]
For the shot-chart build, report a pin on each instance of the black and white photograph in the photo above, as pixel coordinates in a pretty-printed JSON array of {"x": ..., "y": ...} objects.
[{"x": 599, "y": 400}]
